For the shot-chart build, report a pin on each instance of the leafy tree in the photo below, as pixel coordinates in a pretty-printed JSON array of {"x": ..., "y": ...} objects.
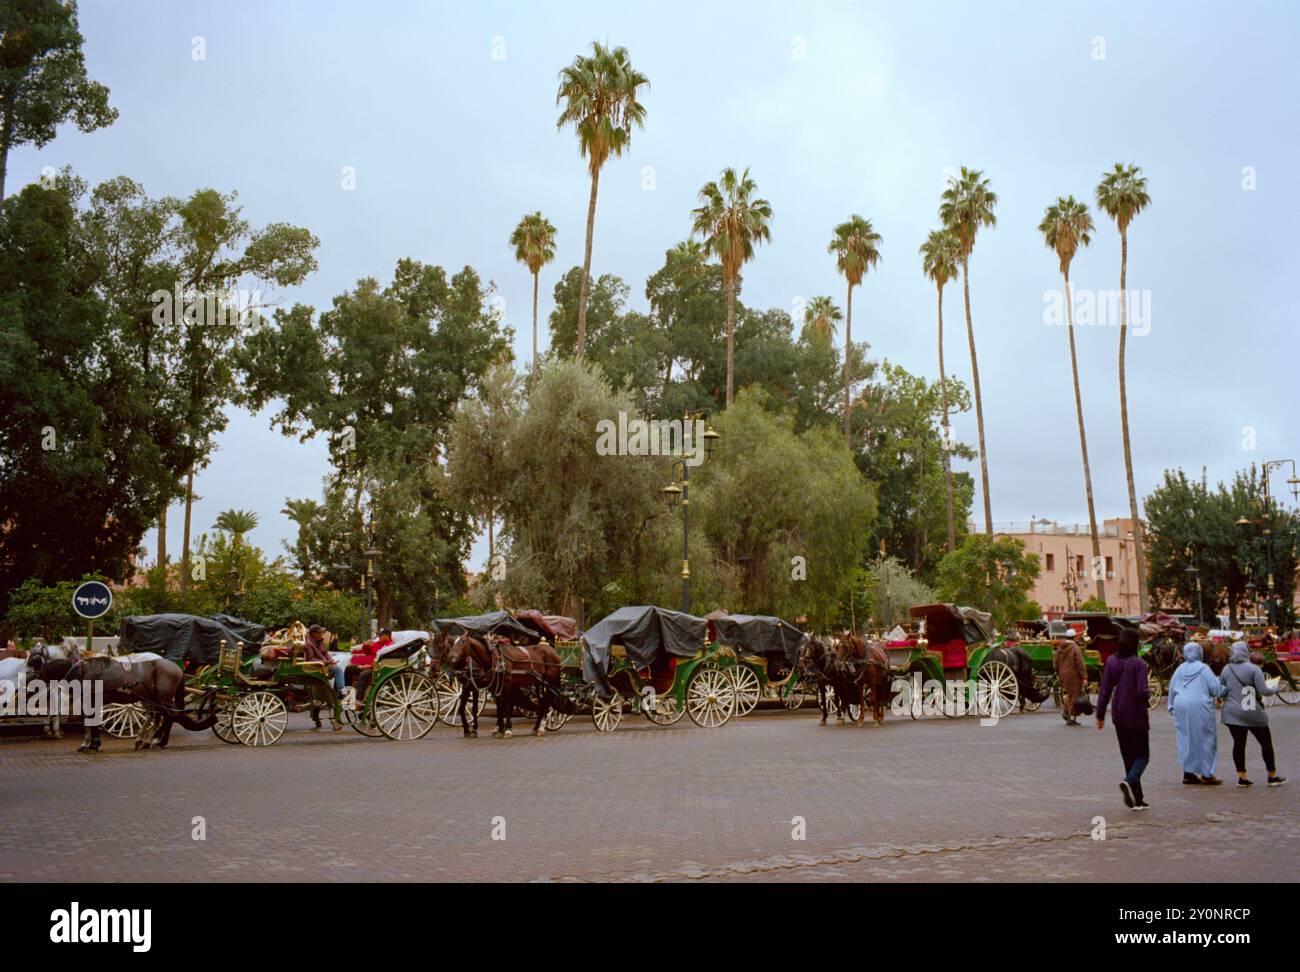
[
  {"x": 1121, "y": 195},
  {"x": 967, "y": 206},
  {"x": 43, "y": 80},
  {"x": 856, "y": 247},
  {"x": 990, "y": 573},
  {"x": 892, "y": 591},
  {"x": 730, "y": 222},
  {"x": 598, "y": 95},
  {"x": 534, "y": 243},
  {"x": 1094, "y": 603}
]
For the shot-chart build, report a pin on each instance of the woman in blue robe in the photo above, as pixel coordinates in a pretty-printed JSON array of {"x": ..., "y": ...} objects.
[{"x": 1192, "y": 691}]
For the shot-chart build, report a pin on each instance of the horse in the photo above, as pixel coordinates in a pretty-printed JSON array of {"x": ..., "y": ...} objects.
[
  {"x": 532, "y": 671},
  {"x": 142, "y": 677},
  {"x": 863, "y": 675},
  {"x": 816, "y": 658},
  {"x": 1215, "y": 654},
  {"x": 1018, "y": 660},
  {"x": 51, "y": 665}
]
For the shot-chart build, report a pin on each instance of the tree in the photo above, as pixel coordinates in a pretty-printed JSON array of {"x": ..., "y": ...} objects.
[
  {"x": 1121, "y": 195},
  {"x": 1066, "y": 227},
  {"x": 968, "y": 205},
  {"x": 940, "y": 258},
  {"x": 991, "y": 573},
  {"x": 688, "y": 302},
  {"x": 856, "y": 247},
  {"x": 598, "y": 95},
  {"x": 891, "y": 591},
  {"x": 534, "y": 243},
  {"x": 821, "y": 316},
  {"x": 43, "y": 79},
  {"x": 731, "y": 222},
  {"x": 236, "y": 523}
]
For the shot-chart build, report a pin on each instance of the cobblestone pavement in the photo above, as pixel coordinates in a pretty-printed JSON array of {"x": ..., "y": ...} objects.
[{"x": 931, "y": 800}]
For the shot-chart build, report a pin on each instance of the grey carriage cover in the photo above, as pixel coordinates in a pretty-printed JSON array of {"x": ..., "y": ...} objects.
[
  {"x": 178, "y": 637},
  {"x": 495, "y": 623},
  {"x": 647, "y": 634},
  {"x": 249, "y": 631},
  {"x": 759, "y": 634}
]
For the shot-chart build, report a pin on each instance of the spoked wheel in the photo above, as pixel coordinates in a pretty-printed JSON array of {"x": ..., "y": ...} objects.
[
  {"x": 1044, "y": 687},
  {"x": 747, "y": 688},
  {"x": 406, "y": 706},
  {"x": 556, "y": 720},
  {"x": 224, "y": 728},
  {"x": 710, "y": 697},
  {"x": 259, "y": 719},
  {"x": 124, "y": 720},
  {"x": 996, "y": 690},
  {"x": 363, "y": 720},
  {"x": 1288, "y": 694},
  {"x": 607, "y": 713},
  {"x": 663, "y": 710},
  {"x": 795, "y": 698},
  {"x": 1157, "y": 689}
]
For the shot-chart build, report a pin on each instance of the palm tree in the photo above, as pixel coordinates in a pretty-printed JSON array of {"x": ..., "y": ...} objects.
[
  {"x": 856, "y": 247},
  {"x": 237, "y": 523},
  {"x": 534, "y": 243},
  {"x": 1066, "y": 227},
  {"x": 820, "y": 317},
  {"x": 730, "y": 222},
  {"x": 599, "y": 99},
  {"x": 967, "y": 205},
  {"x": 940, "y": 257},
  {"x": 1121, "y": 195}
]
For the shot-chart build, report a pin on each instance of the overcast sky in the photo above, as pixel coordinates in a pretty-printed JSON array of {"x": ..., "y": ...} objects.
[{"x": 447, "y": 113}]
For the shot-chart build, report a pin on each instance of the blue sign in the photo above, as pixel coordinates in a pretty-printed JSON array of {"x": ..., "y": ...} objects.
[{"x": 92, "y": 599}]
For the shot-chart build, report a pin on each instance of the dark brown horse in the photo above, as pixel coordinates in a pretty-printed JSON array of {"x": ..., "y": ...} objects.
[
  {"x": 864, "y": 667},
  {"x": 528, "y": 675}
]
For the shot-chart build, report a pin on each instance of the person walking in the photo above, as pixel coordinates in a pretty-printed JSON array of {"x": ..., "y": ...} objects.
[
  {"x": 1192, "y": 691},
  {"x": 1243, "y": 712},
  {"x": 1072, "y": 673},
  {"x": 1124, "y": 681}
]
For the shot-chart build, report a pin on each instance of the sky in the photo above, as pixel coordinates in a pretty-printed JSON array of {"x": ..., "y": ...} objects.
[{"x": 447, "y": 113}]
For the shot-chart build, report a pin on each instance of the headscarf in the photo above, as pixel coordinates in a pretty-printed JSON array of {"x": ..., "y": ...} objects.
[
  {"x": 1186, "y": 673},
  {"x": 1240, "y": 652},
  {"x": 1128, "y": 643},
  {"x": 1192, "y": 652}
]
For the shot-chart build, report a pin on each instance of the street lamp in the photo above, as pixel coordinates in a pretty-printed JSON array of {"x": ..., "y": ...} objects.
[
  {"x": 1195, "y": 573},
  {"x": 675, "y": 496},
  {"x": 370, "y": 555}
]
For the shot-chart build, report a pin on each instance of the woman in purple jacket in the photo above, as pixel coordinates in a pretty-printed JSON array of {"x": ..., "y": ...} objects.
[{"x": 1124, "y": 679}]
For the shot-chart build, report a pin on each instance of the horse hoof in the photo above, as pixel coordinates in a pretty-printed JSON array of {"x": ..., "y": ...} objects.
[{"x": 508, "y": 733}]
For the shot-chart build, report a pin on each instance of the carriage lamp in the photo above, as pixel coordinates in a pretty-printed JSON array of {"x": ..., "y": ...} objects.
[
  {"x": 672, "y": 494},
  {"x": 710, "y": 438},
  {"x": 373, "y": 552}
]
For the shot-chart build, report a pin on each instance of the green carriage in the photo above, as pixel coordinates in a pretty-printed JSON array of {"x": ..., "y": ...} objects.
[
  {"x": 761, "y": 652},
  {"x": 653, "y": 661}
]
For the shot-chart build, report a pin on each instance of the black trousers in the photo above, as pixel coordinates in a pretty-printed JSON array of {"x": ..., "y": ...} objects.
[
  {"x": 1135, "y": 750},
  {"x": 1262, "y": 736}
]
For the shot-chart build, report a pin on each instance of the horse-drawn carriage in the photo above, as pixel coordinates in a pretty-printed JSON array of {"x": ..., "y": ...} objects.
[
  {"x": 1099, "y": 638},
  {"x": 650, "y": 660},
  {"x": 761, "y": 652}
]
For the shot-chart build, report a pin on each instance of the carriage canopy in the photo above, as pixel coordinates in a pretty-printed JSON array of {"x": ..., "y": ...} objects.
[
  {"x": 948, "y": 622},
  {"x": 759, "y": 634},
  {"x": 648, "y": 634},
  {"x": 552, "y": 627},
  {"x": 493, "y": 623},
  {"x": 185, "y": 637}
]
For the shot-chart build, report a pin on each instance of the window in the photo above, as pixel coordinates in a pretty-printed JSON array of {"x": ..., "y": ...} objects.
[
  {"x": 1051, "y": 562},
  {"x": 1110, "y": 567},
  {"x": 1078, "y": 563}
]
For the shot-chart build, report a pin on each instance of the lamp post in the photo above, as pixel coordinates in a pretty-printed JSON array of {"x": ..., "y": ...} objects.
[
  {"x": 371, "y": 554},
  {"x": 675, "y": 495},
  {"x": 1194, "y": 572}
]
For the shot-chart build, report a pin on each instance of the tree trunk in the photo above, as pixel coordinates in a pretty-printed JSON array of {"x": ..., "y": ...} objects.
[
  {"x": 1097, "y": 563},
  {"x": 6, "y": 136},
  {"x": 586, "y": 267},
  {"x": 979, "y": 402},
  {"x": 731, "y": 336},
  {"x": 162, "y": 535},
  {"x": 947, "y": 435},
  {"x": 534, "y": 325},
  {"x": 848, "y": 350},
  {"x": 185, "y": 537},
  {"x": 1138, "y": 543}
]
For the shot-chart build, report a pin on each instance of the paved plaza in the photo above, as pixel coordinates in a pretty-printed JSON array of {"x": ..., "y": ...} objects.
[{"x": 944, "y": 800}]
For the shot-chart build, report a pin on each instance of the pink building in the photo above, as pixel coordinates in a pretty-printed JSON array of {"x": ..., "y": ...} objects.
[{"x": 1066, "y": 575}]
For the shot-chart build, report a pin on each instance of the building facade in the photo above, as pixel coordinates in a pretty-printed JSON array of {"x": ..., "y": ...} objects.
[{"x": 1067, "y": 576}]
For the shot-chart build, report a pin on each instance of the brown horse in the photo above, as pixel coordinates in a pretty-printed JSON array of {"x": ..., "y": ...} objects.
[
  {"x": 820, "y": 661},
  {"x": 529, "y": 674},
  {"x": 865, "y": 668}
]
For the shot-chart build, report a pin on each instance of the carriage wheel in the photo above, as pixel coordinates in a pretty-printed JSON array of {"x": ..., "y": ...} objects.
[
  {"x": 1287, "y": 694},
  {"x": 1153, "y": 680},
  {"x": 224, "y": 728},
  {"x": 607, "y": 714},
  {"x": 363, "y": 721},
  {"x": 795, "y": 698},
  {"x": 259, "y": 719},
  {"x": 449, "y": 692},
  {"x": 556, "y": 720},
  {"x": 996, "y": 691},
  {"x": 123, "y": 720},
  {"x": 406, "y": 706},
  {"x": 1044, "y": 687},
  {"x": 747, "y": 688},
  {"x": 663, "y": 710},
  {"x": 710, "y": 697}
]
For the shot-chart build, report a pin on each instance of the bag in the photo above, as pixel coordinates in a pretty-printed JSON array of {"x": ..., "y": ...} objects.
[{"x": 1082, "y": 706}]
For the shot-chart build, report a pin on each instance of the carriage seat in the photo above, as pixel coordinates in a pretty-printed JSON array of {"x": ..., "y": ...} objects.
[{"x": 953, "y": 653}]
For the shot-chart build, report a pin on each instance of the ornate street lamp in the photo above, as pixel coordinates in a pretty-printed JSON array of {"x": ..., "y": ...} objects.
[{"x": 675, "y": 496}]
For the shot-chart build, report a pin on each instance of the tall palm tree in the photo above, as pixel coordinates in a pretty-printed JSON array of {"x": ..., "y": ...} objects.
[
  {"x": 730, "y": 222},
  {"x": 1121, "y": 195},
  {"x": 534, "y": 243},
  {"x": 967, "y": 205},
  {"x": 598, "y": 95},
  {"x": 940, "y": 259},
  {"x": 236, "y": 523},
  {"x": 856, "y": 247},
  {"x": 820, "y": 317},
  {"x": 1066, "y": 227}
]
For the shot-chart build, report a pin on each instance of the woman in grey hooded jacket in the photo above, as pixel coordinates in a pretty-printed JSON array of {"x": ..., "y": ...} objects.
[{"x": 1243, "y": 712}]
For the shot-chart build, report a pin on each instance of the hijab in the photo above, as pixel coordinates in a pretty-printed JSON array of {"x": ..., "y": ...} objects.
[
  {"x": 1190, "y": 670},
  {"x": 1128, "y": 643},
  {"x": 1240, "y": 652}
]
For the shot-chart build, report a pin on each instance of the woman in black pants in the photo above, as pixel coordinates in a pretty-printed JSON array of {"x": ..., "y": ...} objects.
[{"x": 1243, "y": 712}]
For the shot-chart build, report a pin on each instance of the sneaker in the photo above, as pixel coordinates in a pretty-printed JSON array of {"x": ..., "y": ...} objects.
[
  {"x": 1211, "y": 781},
  {"x": 1242, "y": 781},
  {"x": 1143, "y": 806},
  {"x": 1190, "y": 778},
  {"x": 1128, "y": 795},
  {"x": 1276, "y": 780}
]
